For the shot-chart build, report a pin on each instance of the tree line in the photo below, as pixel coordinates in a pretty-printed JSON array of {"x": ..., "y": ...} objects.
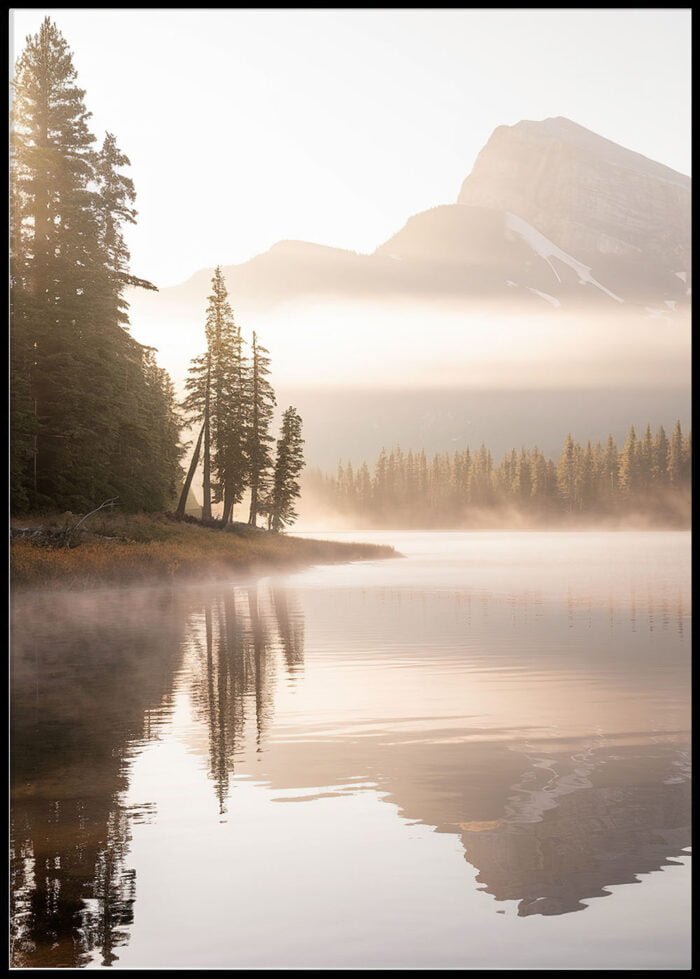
[
  {"x": 646, "y": 475},
  {"x": 92, "y": 416}
]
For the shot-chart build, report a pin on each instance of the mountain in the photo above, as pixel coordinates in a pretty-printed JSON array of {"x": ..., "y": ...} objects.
[
  {"x": 579, "y": 247},
  {"x": 625, "y": 216},
  {"x": 556, "y": 210},
  {"x": 551, "y": 216}
]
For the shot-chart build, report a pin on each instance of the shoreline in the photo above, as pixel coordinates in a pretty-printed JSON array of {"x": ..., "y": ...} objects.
[{"x": 154, "y": 549}]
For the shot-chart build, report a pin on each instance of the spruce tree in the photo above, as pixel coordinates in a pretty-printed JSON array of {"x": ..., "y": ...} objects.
[
  {"x": 260, "y": 410},
  {"x": 646, "y": 458},
  {"x": 610, "y": 475},
  {"x": 661, "y": 449},
  {"x": 524, "y": 483},
  {"x": 82, "y": 392},
  {"x": 216, "y": 400},
  {"x": 288, "y": 466},
  {"x": 229, "y": 411},
  {"x": 587, "y": 478},
  {"x": 675, "y": 456},
  {"x": 51, "y": 172},
  {"x": 629, "y": 465},
  {"x": 566, "y": 474},
  {"x": 687, "y": 457},
  {"x": 540, "y": 481}
]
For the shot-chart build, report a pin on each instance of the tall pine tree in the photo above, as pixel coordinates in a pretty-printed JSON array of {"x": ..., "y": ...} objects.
[
  {"x": 288, "y": 466},
  {"x": 261, "y": 406},
  {"x": 81, "y": 387}
]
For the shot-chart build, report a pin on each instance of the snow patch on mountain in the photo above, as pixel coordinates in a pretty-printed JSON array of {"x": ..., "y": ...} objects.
[
  {"x": 546, "y": 249},
  {"x": 544, "y": 295}
]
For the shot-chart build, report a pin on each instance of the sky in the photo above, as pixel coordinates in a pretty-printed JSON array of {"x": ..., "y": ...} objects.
[{"x": 246, "y": 127}]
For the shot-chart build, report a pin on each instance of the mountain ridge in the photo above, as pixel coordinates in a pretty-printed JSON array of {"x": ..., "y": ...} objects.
[
  {"x": 567, "y": 312},
  {"x": 560, "y": 232},
  {"x": 619, "y": 214}
]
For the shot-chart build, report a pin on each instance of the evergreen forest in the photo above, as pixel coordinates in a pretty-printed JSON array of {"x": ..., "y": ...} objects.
[
  {"x": 646, "y": 477},
  {"x": 93, "y": 418}
]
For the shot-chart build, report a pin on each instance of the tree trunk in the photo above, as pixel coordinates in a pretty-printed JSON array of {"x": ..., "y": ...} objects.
[
  {"x": 38, "y": 275},
  {"x": 252, "y": 519},
  {"x": 35, "y": 447},
  {"x": 228, "y": 508},
  {"x": 180, "y": 512}
]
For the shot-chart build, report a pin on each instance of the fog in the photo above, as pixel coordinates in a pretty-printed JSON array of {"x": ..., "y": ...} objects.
[
  {"x": 317, "y": 515},
  {"x": 398, "y": 344}
]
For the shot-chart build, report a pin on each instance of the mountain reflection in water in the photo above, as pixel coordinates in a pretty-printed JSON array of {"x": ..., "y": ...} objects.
[{"x": 543, "y": 725}]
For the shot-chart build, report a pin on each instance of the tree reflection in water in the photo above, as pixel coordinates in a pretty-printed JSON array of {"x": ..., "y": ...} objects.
[
  {"x": 92, "y": 681},
  {"x": 548, "y": 823}
]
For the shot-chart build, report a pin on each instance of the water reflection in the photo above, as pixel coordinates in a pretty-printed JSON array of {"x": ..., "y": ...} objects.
[
  {"x": 235, "y": 639},
  {"x": 80, "y": 692},
  {"x": 92, "y": 681},
  {"x": 548, "y": 734},
  {"x": 602, "y": 817}
]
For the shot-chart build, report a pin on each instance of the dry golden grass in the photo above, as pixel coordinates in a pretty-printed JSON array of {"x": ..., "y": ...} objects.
[{"x": 146, "y": 548}]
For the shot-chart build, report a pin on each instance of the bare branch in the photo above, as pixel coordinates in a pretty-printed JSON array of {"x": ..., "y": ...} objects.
[{"x": 107, "y": 503}]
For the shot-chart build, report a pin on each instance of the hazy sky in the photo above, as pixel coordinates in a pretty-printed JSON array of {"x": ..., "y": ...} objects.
[{"x": 245, "y": 127}]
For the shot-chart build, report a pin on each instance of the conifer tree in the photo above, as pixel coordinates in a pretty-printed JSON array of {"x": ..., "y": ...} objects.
[
  {"x": 524, "y": 485},
  {"x": 51, "y": 171},
  {"x": 661, "y": 449},
  {"x": 229, "y": 399},
  {"x": 610, "y": 471},
  {"x": 566, "y": 474},
  {"x": 261, "y": 407},
  {"x": 586, "y": 478},
  {"x": 82, "y": 388},
  {"x": 629, "y": 465},
  {"x": 646, "y": 457},
  {"x": 364, "y": 489},
  {"x": 687, "y": 463},
  {"x": 675, "y": 455},
  {"x": 288, "y": 466},
  {"x": 217, "y": 398}
]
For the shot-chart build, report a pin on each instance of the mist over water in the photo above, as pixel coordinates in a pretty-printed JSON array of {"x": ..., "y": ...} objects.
[{"x": 495, "y": 725}]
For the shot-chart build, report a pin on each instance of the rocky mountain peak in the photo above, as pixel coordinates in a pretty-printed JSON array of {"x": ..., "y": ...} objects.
[{"x": 588, "y": 194}]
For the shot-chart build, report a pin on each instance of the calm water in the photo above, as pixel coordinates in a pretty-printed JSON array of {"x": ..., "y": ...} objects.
[{"x": 473, "y": 756}]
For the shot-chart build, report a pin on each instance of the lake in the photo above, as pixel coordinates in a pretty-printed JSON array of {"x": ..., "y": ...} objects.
[{"x": 476, "y": 755}]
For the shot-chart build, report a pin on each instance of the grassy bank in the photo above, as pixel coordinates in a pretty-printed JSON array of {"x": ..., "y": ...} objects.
[{"x": 117, "y": 548}]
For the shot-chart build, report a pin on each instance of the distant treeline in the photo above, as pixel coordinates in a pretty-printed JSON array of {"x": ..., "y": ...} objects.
[{"x": 646, "y": 477}]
